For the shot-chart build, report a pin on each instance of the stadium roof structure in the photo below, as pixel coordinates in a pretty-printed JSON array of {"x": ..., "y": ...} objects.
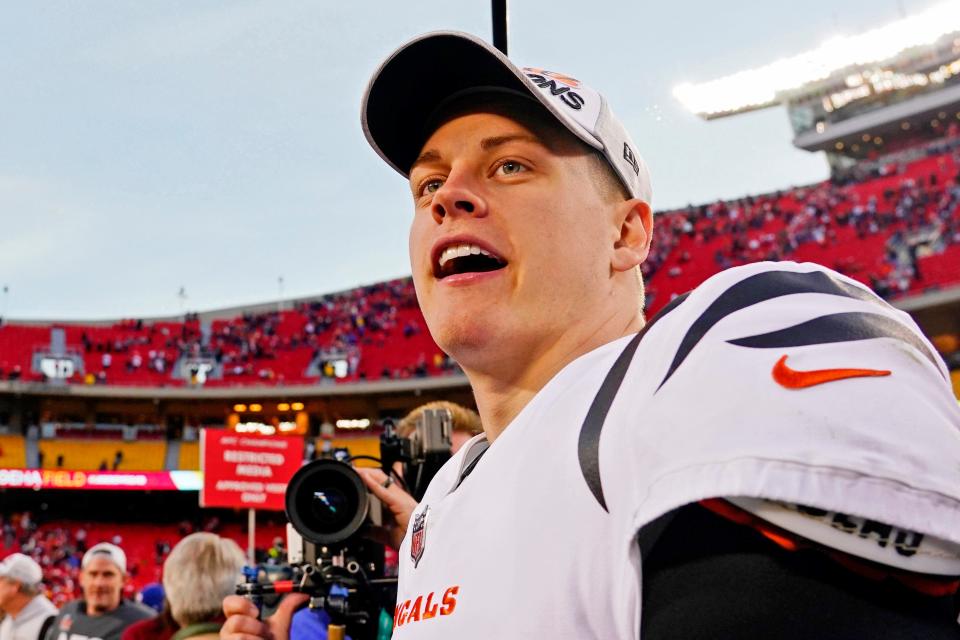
[{"x": 777, "y": 82}]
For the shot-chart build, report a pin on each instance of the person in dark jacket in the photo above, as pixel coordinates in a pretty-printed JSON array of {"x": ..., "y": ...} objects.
[{"x": 103, "y": 613}]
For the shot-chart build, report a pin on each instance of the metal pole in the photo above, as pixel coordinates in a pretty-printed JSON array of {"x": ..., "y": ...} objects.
[
  {"x": 251, "y": 537},
  {"x": 499, "y": 13}
]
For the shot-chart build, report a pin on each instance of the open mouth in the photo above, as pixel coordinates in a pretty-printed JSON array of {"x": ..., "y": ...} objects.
[{"x": 456, "y": 259}]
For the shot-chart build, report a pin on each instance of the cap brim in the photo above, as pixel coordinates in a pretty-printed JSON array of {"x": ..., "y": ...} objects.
[{"x": 406, "y": 90}]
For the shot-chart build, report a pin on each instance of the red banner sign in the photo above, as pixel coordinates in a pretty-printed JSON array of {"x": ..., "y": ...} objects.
[
  {"x": 249, "y": 471},
  {"x": 112, "y": 480}
]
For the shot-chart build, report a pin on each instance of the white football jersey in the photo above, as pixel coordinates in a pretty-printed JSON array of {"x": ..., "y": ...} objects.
[{"x": 777, "y": 381}]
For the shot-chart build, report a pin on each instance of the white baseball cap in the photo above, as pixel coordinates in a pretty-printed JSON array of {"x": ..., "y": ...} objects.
[
  {"x": 415, "y": 80},
  {"x": 21, "y": 568},
  {"x": 111, "y": 552}
]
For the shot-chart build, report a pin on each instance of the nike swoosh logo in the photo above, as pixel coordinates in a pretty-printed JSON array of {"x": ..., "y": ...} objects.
[{"x": 793, "y": 379}]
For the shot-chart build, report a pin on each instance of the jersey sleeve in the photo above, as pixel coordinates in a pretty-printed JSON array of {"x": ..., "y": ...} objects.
[{"x": 789, "y": 382}]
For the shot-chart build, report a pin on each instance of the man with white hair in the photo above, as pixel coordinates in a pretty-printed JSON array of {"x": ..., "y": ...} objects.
[
  {"x": 103, "y": 613},
  {"x": 199, "y": 573},
  {"x": 27, "y": 610}
]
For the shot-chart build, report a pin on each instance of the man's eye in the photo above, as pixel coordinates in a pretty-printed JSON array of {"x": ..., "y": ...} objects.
[
  {"x": 510, "y": 167},
  {"x": 430, "y": 186}
]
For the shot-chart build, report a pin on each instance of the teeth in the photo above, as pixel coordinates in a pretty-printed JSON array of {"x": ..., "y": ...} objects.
[{"x": 461, "y": 251}]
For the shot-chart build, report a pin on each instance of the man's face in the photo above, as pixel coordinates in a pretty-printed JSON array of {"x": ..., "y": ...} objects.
[
  {"x": 8, "y": 589},
  {"x": 102, "y": 585},
  {"x": 485, "y": 182}
]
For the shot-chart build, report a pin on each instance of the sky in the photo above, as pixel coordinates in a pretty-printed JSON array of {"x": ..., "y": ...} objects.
[{"x": 215, "y": 147}]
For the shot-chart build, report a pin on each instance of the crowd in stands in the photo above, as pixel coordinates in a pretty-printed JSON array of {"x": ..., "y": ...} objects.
[
  {"x": 58, "y": 547},
  {"x": 892, "y": 223},
  {"x": 875, "y": 229},
  {"x": 368, "y": 333}
]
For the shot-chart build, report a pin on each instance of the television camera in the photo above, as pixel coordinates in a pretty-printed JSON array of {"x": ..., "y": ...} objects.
[{"x": 330, "y": 512}]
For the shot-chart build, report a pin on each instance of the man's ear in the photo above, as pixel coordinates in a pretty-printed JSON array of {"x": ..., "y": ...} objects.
[{"x": 636, "y": 231}]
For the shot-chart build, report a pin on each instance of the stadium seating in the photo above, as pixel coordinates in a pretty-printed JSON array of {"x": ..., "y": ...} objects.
[
  {"x": 817, "y": 224},
  {"x": 189, "y": 457},
  {"x": 861, "y": 227},
  {"x": 13, "y": 452},
  {"x": 90, "y": 455}
]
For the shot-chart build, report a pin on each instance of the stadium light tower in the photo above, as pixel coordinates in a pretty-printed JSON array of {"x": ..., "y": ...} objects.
[{"x": 499, "y": 15}]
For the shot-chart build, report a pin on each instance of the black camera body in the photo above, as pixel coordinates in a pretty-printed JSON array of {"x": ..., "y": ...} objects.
[{"x": 422, "y": 453}]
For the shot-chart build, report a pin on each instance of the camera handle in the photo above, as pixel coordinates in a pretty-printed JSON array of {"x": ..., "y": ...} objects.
[{"x": 317, "y": 583}]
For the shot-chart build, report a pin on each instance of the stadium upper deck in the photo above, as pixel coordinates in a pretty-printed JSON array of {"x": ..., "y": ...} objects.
[{"x": 856, "y": 98}]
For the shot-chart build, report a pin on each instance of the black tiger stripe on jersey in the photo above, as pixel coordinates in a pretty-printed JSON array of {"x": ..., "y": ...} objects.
[
  {"x": 588, "y": 446},
  {"x": 838, "y": 327},
  {"x": 759, "y": 288}
]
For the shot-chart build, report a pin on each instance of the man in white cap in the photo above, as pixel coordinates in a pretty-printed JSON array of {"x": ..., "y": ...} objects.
[
  {"x": 666, "y": 480},
  {"x": 103, "y": 613},
  {"x": 26, "y": 609}
]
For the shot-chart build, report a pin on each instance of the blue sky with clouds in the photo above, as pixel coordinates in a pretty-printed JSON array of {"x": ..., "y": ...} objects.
[{"x": 216, "y": 146}]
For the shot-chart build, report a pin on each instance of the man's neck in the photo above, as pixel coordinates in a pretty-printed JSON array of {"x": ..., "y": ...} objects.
[
  {"x": 93, "y": 612},
  {"x": 503, "y": 390}
]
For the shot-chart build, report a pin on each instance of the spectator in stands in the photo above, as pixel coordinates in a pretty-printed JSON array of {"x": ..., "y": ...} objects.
[
  {"x": 81, "y": 538},
  {"x": 103, "y": 612},
  {"x": 200, "y": 572},
  {"x": 27, "y": 611}
]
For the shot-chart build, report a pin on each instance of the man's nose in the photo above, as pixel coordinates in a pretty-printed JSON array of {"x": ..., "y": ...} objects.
[{"x": 457, "y": 196}]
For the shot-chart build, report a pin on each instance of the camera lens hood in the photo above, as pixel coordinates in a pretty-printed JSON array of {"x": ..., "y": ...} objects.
[{"x": 326, "y": 502}]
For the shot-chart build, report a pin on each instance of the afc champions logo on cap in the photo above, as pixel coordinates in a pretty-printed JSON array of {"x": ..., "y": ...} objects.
[
  {"x": 560, "y": 86},
  {"x": 418, "y": 541}
]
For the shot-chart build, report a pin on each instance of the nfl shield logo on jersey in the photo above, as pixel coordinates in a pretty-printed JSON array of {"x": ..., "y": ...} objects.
[{"x": 419, "y": 540}]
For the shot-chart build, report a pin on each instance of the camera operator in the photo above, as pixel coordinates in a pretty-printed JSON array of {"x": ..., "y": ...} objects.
[
  {"x": 465, "y": 425},
  {"x": 436, "y": 427}
]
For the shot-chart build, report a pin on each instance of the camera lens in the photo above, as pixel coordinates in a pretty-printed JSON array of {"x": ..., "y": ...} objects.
[{"x": 326, "y": 501}]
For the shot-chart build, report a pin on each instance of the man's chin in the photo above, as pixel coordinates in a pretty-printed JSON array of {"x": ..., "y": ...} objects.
[{"x": 463, "y": 338}]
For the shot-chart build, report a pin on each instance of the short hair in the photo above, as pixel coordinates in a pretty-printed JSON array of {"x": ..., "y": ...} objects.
[
  {"x": 29, "y": 590},
  {"x": 201, "y": 570},
  {"x": 465, "y": 420}
]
